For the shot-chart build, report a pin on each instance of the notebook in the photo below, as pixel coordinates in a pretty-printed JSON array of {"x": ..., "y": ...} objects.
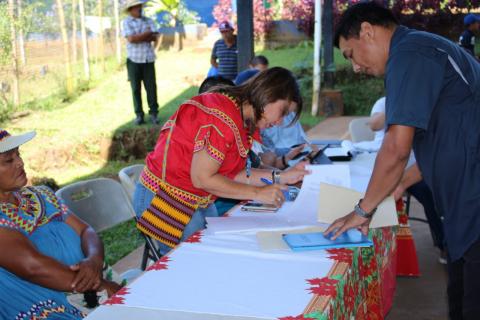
[{"x": 317, "y": 241}]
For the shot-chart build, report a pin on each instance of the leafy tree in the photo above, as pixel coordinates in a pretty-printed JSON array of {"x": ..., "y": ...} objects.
[
  {"x": 263, "y": 15},
  {"x": 172, "y": 12}
]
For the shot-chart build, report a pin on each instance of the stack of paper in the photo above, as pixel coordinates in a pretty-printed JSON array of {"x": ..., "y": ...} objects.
[
  {"x": 342, "y": 153},
  {"x": 336, "y": 202},
  {"x": 245, "y": 224},
  {"x": 305, "y": 207}
]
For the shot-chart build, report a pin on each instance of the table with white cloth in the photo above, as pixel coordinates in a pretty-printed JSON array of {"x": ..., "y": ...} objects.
[{"x": 229, "y": 276}]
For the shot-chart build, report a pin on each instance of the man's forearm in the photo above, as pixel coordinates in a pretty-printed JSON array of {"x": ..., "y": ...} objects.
[
  {"x": 224, "y": 187},
  {"x": 213, "y": 62},
  {"x": 92, "y": 246},
  {"x": 411, "y": 176},
  {"x": 141, "y": 37}
]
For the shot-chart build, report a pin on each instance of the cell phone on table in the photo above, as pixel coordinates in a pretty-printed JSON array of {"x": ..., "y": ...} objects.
[{"x": 259, "y": 207}]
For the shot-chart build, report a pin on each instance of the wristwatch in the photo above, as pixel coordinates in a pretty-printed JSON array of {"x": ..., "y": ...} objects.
[
  {"x": 275, "y": 176},
  {"x": 362, "y": 213}
]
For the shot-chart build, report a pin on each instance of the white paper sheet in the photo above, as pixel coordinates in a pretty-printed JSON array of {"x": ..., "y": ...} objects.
[
  {"x": 304, "y": 209},
  {"x": 345, "y": 149},
  {"x": 336, "y": 202},
  {"x": 246, "y": 225}
]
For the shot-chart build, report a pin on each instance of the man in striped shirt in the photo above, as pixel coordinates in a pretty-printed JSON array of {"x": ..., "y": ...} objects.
[{"x": 224, "y": 53}]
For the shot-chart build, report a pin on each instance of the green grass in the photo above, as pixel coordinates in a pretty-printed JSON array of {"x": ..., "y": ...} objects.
[{"x": 120, "y": 241}]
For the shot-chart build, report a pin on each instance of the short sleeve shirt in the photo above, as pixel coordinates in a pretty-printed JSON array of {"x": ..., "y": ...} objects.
[
  {"x": 227, "y": 59},
  {"x": 138, "y": 52},
  {"x": 210, "y": 122},
  {"x": 37, "y": 206},
  {"x": 434, "y": 86},
  {"x": 245, "y": 75},
  {"x": 285, "y": 135}
]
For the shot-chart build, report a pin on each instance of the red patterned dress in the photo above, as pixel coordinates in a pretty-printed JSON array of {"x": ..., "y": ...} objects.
[{"x": 211, "y": 122}]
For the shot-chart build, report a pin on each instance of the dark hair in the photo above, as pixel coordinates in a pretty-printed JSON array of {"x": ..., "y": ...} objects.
[
  {"x": 214, "y": 81},
  {"x": 266, "y": 87},
  {"x": 352, "y": 19},
  {"x": 259, "y": 60}
]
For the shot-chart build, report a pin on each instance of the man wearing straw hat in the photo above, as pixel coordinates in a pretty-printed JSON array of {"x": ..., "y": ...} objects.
[{"x": 140, "y": 32}]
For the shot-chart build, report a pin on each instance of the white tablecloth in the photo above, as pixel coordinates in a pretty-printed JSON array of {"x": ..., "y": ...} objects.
[{"x": 228, "y": 276}]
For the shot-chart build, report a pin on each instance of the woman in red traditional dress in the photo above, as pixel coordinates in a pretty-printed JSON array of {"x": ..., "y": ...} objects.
[{"x": 201, "y": 154}]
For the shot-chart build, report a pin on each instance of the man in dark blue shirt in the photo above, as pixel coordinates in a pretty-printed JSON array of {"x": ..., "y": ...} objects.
[
  {"x": 467, "y": 39},
  {"x": 224, "y": 52},
  {"x": 432, "y": 105}
]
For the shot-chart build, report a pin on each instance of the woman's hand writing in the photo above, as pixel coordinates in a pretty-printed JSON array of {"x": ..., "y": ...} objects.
[{"x": 271, "y": 194}]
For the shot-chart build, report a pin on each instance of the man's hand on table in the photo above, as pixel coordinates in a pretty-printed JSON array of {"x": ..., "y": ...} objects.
[{"x": 351, "y": 220}]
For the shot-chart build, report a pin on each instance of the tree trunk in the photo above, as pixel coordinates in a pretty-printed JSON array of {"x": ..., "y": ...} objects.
[
  {"x": 66, "y": 53},
  {"x": 21, "y": 41},
  {"x": 86, "y": 65},
  {"x": 101, "y": 44},
  {"x": 117, "y": 31},
  {"x": 74, "y": 32},
  {"x": 14, "y": 55}
]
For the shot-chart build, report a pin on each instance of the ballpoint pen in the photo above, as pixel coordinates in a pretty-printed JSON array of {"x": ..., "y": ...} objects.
[{"x": 266, "y": 181}]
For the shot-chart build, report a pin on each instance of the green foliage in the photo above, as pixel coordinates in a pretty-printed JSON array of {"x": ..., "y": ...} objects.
[
  {"x": 5, "y": 35},
  {"x": 359, "y": 91},
  {"x": 120, "y": 240},
  {"x": 171, "y": 11}
]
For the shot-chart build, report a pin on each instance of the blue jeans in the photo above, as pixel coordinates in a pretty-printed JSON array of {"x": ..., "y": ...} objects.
[{"x": 142, "y": 199}]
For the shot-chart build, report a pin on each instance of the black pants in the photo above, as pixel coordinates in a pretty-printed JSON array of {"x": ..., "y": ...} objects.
[
  {"x": 464, "y": 285},
  {"x": 422, "y": 193},
  {"x": 138, "y": 72}
]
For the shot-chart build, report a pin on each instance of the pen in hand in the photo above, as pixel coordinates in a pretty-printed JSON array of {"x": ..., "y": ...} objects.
[{"x": 266, "y": 181}]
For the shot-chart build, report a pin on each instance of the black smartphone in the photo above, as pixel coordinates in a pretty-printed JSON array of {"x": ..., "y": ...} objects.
[
  {"x": 296, "y": 145},
  {"x": 301, "y": 155},
  {"x": 259, "y": 207}
]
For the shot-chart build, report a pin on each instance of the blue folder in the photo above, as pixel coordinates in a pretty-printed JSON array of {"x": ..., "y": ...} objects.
[{"x": 317, "y": 241}]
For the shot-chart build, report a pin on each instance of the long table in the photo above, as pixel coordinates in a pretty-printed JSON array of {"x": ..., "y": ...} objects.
[{"x": 228, "y": 276}]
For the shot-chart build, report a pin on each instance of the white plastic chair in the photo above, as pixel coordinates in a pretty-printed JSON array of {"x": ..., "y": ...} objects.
[
  {"x": 360, "y": 131},
  {"x": 128, "y": 178},
  {"x": 102, "y": 203}
]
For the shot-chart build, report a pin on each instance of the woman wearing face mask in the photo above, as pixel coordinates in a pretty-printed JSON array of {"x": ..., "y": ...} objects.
[{"x": 201, "y": 154}]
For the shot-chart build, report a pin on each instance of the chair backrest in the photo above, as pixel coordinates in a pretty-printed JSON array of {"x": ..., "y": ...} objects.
[
  {"x": 102, "y": 203},
  {"x": 360, "y": 131},
  {"x": 129, "y": 176}
]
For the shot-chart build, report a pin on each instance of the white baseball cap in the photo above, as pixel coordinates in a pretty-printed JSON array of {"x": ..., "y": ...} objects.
[
  {"x": 9, "y": 142},
  {"x": 133, "y": 3}
]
